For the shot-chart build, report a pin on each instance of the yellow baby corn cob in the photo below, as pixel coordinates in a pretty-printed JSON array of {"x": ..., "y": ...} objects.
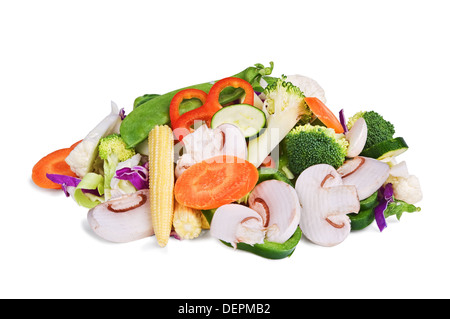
[
  {"x": 205, "y": 223},
  {"x": 161, "y": 181},
  {"x": 187, "y": 221}
]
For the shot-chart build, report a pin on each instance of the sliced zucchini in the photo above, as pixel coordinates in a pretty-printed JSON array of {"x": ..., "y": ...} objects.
[
  {"x": 386, "y": 149},
  {"x": 249, "y": 119}
]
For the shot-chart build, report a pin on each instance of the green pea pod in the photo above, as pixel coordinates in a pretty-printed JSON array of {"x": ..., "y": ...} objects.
[
  {"x": 155, "y": 111},
  {"x": 272, "y": 250},
  {"x": 144, "y": 98}
]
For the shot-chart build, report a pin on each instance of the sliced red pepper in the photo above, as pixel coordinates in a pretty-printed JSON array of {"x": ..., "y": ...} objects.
[
  {"x": 184, "y": 95},
  {"x": 181, "y": 124},
  {"x": 213, "y": 95}
]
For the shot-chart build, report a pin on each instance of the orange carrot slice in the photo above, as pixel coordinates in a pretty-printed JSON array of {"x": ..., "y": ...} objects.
[
  {"x": 324, "y": 114},
  {"x": 269, "y": 162},
  {"x": 53, "y": 163},
  {"x": 215, "y": 182}
]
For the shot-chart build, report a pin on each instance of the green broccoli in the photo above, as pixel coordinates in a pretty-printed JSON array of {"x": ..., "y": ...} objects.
[
  {"x": 308, "y": 145},
  {"x": 113, "y": 150},
  {"x": 284, "y": 107},
  {"x": 378, "y": 129}
]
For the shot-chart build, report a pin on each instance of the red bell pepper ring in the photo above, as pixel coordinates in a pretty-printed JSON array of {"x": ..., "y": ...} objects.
[
  {"x": 181, "y": 124},
  {"x": 184, "y": 95},
  {"x": 213, "y": 96}
]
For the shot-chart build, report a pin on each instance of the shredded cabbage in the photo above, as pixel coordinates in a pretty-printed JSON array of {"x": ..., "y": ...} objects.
[{"x": 90, "y": 190}]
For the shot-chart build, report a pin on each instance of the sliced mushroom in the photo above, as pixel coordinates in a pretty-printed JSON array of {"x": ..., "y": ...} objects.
[
  {"x": 236, "y": 223},
  {"x": 325, "y": 204},
  {"x": 356, "y": 138},
  {"x": 365, "y": 173},
  {"x": 234, "y": 143},
  {"x": 205, "y": 143},
  {"x": 278, "y": 205},
  {"x": 123, "y": 219}
]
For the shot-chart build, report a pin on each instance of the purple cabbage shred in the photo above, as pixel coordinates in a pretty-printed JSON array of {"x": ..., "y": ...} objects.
[
  {"x": 385, "y": 197},
  {"x": 65, "y": 181},
  {"x": 138, "y": 176},
  {"x": 342, "y": 120}
]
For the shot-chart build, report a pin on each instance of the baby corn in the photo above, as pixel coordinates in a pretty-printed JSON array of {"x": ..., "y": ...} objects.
[
  {"x": 161, "y": 181},
  {"x": 187, "y": 221}
]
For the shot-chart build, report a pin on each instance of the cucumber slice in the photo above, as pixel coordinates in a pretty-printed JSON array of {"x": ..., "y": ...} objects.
[
  {"x": 249, "y": 119},
  {"x": 272, "y": 250},
  {"x": 389, "y": 148}
]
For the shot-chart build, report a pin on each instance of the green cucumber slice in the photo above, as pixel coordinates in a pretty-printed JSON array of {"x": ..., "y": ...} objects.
[
  {"x": 388, "y": 148},
  {"x": 249, "y": 119},
  {"x": 272, "y": 250}
]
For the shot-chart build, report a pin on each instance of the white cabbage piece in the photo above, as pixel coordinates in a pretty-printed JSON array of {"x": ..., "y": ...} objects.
[
  {"x": 308, "y": 86},
  {"x": 82, "y": 157},
  {"x": 406, "y": 186}
]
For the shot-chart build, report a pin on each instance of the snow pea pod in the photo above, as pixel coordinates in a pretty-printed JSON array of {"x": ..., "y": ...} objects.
[
  {"x": 155, "y": 111},
  {"x": 144, "y": 98}
]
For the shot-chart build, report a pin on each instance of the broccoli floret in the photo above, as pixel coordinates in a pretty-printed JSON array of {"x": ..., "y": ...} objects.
[
  {"x": 284, "y": 107},
  {"x": 113, "y": 150},
  {"x": 378, "y": 129},
  {"x": 308, "y": 145}
]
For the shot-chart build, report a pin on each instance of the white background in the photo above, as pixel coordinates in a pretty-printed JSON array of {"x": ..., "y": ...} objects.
[{"x": 62, "y": 62}]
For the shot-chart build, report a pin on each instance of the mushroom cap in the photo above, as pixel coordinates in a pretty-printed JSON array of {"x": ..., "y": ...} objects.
[
  {"x": 365, "y": 173},
  {"x": 123, "y": 219},
  {"x": 279, "y": 207},
  {"x": 234, "y": 143},
  {"x": 356, "y": 137},
  {"x": 236, "y": 223},
  {"x": 325, "y": 204},
  {"x": 205, "y": 143}
]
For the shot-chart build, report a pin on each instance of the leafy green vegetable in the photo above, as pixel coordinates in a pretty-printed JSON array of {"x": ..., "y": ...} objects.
[{"x": 398, "y": 207}]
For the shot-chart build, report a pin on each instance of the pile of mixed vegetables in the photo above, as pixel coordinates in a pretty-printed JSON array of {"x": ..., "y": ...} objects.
[{"x": 255, "y": 160}]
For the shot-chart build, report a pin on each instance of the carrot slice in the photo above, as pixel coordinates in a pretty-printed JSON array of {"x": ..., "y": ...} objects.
[
  {"x": 324, "y": 114},
  {"x": 269, "y": 162},
  {"x": 53, "y": 163},
  {"x": 215, "y": 182}
]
